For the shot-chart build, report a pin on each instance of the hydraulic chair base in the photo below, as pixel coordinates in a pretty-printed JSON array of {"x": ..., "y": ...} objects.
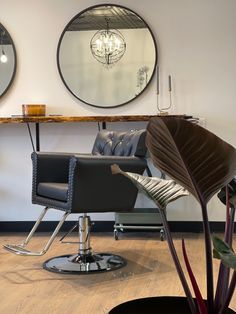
[{"x": 84, "y": 264}]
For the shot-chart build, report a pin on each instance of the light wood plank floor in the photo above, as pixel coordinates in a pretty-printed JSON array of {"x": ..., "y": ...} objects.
[{"x": 27, "y": 288}]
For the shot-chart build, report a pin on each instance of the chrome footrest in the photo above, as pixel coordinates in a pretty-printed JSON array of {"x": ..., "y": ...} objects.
[{"x": 20, "y": 250}]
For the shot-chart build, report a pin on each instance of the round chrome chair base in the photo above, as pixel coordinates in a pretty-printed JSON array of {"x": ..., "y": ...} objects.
[{"x": 84, "y": 264}]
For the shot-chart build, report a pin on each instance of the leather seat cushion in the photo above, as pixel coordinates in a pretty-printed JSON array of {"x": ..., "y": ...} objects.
[{"x": 56, "y": 191}]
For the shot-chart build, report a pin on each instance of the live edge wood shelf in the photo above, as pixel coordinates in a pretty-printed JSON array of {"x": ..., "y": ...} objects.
[
  {"x": 63, "y": 119},
  {"x": 58, "y": 118}
]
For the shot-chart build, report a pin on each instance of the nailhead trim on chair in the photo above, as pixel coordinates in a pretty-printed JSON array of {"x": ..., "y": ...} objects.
[{"x": 72, "y": 166}]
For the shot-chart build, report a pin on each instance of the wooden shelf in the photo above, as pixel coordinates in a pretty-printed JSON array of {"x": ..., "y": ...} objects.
[{"x": 64, "y": 119}]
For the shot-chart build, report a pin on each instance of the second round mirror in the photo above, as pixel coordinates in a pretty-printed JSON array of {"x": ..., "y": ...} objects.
[{"x": 106, "y": 55}]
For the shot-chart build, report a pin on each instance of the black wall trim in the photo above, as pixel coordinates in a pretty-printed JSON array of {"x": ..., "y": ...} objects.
[
  {"x": 48, "y": 226},
  {"x": 105, "y": 226}
]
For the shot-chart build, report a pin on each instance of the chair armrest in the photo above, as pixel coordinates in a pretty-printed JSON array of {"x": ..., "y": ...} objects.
[
  {"x": 91, "y": 164},
  {"x": 50, "y": 167},
  {"x": 132, "y": 162},
  {"x": 100, "y": 190}
]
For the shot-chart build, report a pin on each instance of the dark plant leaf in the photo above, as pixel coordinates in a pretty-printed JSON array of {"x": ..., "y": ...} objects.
[
  {"x": 160, "y": 191},
  {"x": 223, "y": 252},
  {"x": 191, "y": 155},
  {"x": 232, "y": 193}
]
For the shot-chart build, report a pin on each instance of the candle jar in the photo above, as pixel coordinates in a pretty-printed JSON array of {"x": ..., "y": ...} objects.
[{"x": 33, "y": 110}]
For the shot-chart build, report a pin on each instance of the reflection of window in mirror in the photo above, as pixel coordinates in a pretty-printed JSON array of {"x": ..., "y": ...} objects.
[
  {"x": 7, "y": 60},
  {"x": 86, "y": 77}
]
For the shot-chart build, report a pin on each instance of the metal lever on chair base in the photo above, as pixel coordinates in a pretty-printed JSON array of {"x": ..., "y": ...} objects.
[
  {"x": 85, "y": 262},
  {"x": 20, "y": 248}
]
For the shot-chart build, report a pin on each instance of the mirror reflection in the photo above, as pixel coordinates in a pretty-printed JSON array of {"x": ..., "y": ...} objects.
[
  {"x": 107, "y": 55},
  {"x": 7, "y": 60}
]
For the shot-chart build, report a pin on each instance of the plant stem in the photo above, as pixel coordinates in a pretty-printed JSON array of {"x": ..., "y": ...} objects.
[
  {"x": 230, "y": 214},
  {"x": 223, "y": 277},
  {"x": 219, "y": 289},
  {"x": 231, "y": 226},
  {"x": 228, "y": 240},
  {"x": 229, "y": 293},
  {"x": 200, "y": 302},
  {"x": 209, "y": 266},
  {"x": 177, "y": 263}
]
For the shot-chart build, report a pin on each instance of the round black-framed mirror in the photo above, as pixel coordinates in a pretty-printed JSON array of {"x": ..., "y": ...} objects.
[
  {"x": 107, "y": 55},
  {"x": 7, "y": 60}
]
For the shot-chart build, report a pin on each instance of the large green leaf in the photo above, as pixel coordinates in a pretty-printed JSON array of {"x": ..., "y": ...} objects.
[
  {"x": 191, "y": 155},
  {"x": 223, "y": 252},
  {"x": 160, "y": 191}
]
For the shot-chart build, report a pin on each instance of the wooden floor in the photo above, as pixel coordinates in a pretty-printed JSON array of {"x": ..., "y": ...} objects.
[{"x": 27, "y": 288}]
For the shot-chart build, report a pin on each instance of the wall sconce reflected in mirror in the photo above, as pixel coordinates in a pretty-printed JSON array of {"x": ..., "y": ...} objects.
[
  {"x": 108, "y": 46},
  {"x": 3, "y": 57}
]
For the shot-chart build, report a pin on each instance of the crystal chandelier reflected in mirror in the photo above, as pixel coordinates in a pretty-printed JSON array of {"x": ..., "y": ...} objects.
[{"x": 108, "y": 46}]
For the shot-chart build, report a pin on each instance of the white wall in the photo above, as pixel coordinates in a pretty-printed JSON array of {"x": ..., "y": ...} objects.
[{"x": 196, "y": 41}]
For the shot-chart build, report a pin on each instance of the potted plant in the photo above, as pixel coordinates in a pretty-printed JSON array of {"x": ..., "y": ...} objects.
[{"x": 203, "y": 164}]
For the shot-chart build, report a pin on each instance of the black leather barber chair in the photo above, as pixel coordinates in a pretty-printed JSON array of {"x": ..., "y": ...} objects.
[{"x": 74, "y": 183}]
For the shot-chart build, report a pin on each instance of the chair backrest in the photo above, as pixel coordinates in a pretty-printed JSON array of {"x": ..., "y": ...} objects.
[{"x": 117, "y": 143}]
